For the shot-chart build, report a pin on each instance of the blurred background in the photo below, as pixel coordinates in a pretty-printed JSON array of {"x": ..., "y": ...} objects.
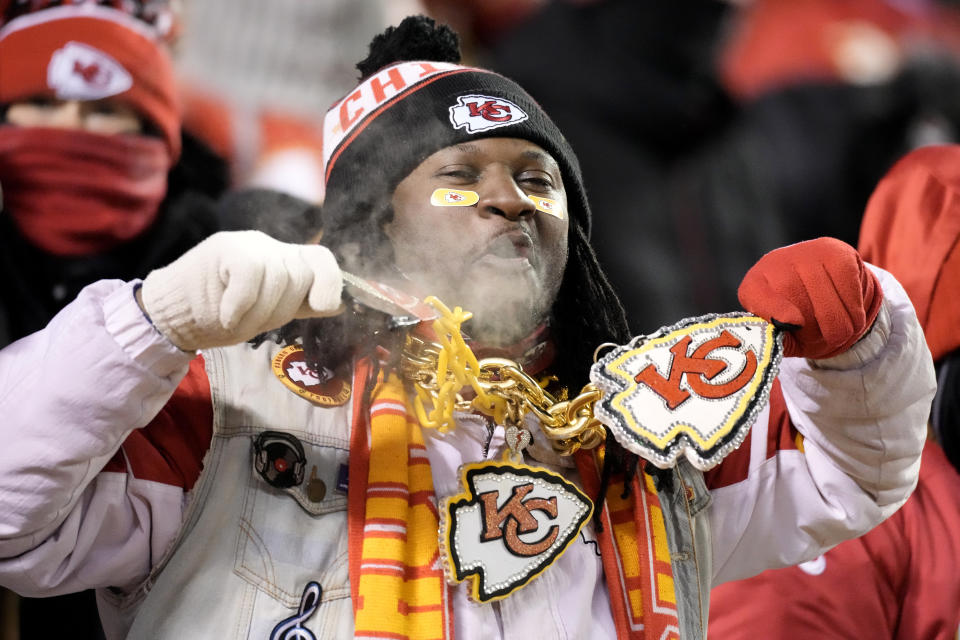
[{"x": 709, "y": 132}]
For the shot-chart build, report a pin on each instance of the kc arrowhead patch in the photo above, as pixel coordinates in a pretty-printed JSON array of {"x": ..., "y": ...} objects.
[
  {"x": 694, "y": 388},
  {"x": 508, "y": 526}
]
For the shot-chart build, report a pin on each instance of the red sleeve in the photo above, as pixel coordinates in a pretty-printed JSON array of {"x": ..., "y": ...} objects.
[
  {"x": 171, "y": 448},
  {"x": 781, "y": 435}
]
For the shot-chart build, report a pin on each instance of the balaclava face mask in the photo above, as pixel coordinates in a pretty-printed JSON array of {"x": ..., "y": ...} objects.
[{"x": 72, "y": 192}]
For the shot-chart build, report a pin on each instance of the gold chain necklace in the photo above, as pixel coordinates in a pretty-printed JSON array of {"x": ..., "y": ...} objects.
[{"x": 503, "y": 391}]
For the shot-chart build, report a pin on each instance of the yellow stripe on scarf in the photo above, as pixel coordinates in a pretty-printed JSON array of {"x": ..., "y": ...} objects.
[{"x": 402, "y": 593}]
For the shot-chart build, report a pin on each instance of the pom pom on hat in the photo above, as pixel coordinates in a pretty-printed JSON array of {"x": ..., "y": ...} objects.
[{"x": 415, "y": 38}]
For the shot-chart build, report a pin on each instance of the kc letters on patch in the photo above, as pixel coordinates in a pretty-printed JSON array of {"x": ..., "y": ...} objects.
[
  {"x": 319, "y": 387},
  {"x": 509, "y": 525},
  {"x": 693, "y": 388}
]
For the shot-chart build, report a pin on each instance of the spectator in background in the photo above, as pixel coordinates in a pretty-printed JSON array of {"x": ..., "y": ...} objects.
[
  {"x": 97, "y": 179},
  {"x": 899, "y": 581}
]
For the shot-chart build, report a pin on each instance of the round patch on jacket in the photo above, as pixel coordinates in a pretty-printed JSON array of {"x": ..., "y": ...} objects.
[
  {"x": 693, "y": 388},
  {"x": 322, "y": 388}
]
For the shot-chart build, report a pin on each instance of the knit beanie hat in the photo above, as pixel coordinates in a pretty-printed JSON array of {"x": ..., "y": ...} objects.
[
  {"x": 422, "y": 101},
  {"x": 90, "y": 52}
]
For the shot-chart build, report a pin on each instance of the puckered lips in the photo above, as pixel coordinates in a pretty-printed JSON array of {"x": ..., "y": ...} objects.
[{"x": 510, "y": 249}]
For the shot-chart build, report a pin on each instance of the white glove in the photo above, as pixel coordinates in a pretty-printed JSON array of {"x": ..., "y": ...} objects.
[{"x": 236, "y": 285}]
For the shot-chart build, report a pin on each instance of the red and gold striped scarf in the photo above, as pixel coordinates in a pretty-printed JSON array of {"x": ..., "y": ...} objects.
[
  {"x": 396, "y": 577},
  {"x": 636, "y": 557}
]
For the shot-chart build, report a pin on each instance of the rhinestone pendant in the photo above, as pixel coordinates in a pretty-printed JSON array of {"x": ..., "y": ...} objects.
[
  {"x": 508, "y": 525},
  {"x": 691, "y": 389}
]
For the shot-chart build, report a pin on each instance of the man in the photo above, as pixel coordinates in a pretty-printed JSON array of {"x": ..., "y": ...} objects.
[
  {"x": 898, "y": 581},
  {"x": 98, "y": 180},
  {"x": 224, "y": 502}
]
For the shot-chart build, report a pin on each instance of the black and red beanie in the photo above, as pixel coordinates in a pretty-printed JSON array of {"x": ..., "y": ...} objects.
[{"x": 402, "y": 113}]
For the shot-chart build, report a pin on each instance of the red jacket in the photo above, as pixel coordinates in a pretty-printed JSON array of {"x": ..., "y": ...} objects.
[{"x": 899, "y": 581}]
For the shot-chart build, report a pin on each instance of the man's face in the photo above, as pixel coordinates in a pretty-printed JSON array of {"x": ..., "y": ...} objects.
[{"x": 501, "y": 258}]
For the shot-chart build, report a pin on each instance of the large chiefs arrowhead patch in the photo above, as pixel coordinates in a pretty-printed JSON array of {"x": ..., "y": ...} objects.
[
  {"x": 508, "y": 526},
  {"x": 693, "y": 388}
]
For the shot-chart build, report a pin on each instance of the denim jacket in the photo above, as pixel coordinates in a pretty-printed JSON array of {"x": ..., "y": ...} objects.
[{"x": 248, "y": 549}]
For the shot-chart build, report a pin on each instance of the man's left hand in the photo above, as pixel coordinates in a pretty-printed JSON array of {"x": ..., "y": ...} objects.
[{"x": 819, "y": 291}]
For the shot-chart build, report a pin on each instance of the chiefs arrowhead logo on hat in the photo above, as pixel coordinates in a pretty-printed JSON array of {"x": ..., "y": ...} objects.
[
  {"x": 692, "y": 388},
  {"x": 475, "y": 113},
  {"x": 508, "y": 526},
  {"x": 81, "y": 72}
]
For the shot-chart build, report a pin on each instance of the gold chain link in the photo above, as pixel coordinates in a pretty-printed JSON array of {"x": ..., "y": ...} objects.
[{"x": 441, "y": 370}]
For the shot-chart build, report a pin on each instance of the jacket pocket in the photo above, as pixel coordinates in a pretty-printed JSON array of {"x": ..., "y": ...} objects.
[{"x": 291, "y": 536}]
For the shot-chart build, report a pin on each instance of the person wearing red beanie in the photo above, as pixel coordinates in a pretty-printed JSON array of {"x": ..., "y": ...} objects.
[{"x": 91, "y": 175}]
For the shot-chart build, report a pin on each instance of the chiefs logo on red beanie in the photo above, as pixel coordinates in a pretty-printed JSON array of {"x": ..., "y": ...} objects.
[{"x": 88, "y": 52}]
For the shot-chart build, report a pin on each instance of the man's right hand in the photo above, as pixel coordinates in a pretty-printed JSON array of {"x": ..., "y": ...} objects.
[{"x": 236, "y": 285}]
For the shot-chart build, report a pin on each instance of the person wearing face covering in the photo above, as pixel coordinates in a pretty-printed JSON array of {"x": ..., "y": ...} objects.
[
  {"x": 898, "y": 581},
  {"x": 232, "y": 446},
  {"x": 98, "y": 180}
]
